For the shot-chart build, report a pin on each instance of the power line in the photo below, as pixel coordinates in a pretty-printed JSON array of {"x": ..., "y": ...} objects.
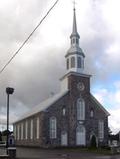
[{"x": 9, "y": 61}]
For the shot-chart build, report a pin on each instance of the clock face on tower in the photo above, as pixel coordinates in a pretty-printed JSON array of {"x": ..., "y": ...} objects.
[{"x": 80, "y": 86}]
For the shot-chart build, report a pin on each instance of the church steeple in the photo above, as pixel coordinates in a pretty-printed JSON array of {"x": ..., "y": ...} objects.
[
  {"x": 75, "y": 55},
  {"x": 74, "y": 31}
]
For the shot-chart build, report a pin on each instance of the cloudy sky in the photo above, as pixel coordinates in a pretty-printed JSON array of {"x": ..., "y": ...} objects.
[{"x": 35, "y": 71}]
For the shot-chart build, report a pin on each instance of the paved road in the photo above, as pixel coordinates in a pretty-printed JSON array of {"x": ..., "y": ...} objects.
[{"x": 37, "y": 153}]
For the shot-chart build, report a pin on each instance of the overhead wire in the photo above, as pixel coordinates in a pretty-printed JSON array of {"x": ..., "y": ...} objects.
[{"x": 22, "y": 45}]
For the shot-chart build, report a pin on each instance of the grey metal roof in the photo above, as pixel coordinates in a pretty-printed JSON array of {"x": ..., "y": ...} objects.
[{"x": 43, "y": 105}]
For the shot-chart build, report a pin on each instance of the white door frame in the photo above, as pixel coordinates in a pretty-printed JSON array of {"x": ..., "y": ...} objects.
[
  {"x": 64, "y": 138},
  {"x": 80, "y": 136}
]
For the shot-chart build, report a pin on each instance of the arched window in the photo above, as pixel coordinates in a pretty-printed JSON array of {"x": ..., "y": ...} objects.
[
  {"x": 18, "y": 132},
  {"x": 91, "y": 113},
  {"x": 73, "y": 41},
  {"x": 79, "y": 62},
  {"x": 37, "y": 127},
  {"x": 31, "y": 129},
  {"x": 83, "y": 63},
  {"x": 26, "y": 130},
  {"x": 63, "y": 111},
  {"x": 14, "y": 128},
  {"x": 21, "y": 131},
  {"x": 53, "y": 130},
  {"x": 80, "y": 109},
  {"x": 80, "y": 135},
  {"x": 72, "y": 62},
  {"x": 67, "y": 64},
  {"x": 101, "y": 129},
  {"x": 76, "y": 41}
]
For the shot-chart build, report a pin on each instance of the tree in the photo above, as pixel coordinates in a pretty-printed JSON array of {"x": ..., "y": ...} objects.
[
  {"x": 93, "y": 142},
  {"x": 109, "y": 131},
  {"x": 5, "y": 132}
]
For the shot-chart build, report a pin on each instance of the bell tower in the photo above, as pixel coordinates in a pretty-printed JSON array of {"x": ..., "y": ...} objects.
[
  {"x": 75, "y": 77},
  {"x": 75, "y": 56}
]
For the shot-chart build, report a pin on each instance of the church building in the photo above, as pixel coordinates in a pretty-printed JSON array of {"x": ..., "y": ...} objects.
[{"x": 73, "y": 117}]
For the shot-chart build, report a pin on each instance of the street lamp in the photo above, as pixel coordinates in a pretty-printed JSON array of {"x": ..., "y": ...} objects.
[{"x": 8, "y": 91}]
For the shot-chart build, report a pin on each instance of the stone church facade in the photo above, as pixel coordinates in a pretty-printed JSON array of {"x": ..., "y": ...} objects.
[{"x": 73, "y": 117}]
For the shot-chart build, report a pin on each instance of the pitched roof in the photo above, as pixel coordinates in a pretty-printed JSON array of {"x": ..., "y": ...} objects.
[
  {"x": 100, "y": 105},
  {"x": 43, "y": 105}
]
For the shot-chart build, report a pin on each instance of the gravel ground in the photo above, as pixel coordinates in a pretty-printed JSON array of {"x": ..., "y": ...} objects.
[{"x": 37, "y": 153}]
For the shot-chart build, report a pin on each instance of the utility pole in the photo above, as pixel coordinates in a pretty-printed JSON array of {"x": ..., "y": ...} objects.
[{"x": 8, "y": 91}]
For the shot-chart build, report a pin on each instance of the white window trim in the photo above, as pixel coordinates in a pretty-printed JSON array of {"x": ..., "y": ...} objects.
[
  {"x": 53, "y": 128},
  {"x": 26, "y": 130},
  {"x": 18, "y": 132},
  {"x": 91, "y": 113},
  {"x": 31, "y": 129},
  {"x": 37, "y": 127},
  {"x": 15, "y": 132},
  {"x": 64, "y": 111},
  {"x": 64, "y": 143},
  {"x": 21, "y": 131},
  {"x": 101, "y": 129},
  {"x": 80, "y": 109}
]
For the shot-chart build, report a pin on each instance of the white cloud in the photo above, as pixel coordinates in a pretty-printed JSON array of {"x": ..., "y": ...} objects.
[
  {"x": 111, "y": 101},
  {"x": 41, "y": 61},
  {"x": 111, "y": 11},
  {"x": 100, "y": 95},
  {"x": 114, "y": 120}
]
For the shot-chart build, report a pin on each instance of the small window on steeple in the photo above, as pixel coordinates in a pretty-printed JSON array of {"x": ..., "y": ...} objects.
[
  {"x": 73, "y": 41},
  {"x": 72, "y": 62},
  {"x": 67, "y": 64},
  {"x": 76, "y": 41},
  {"x": 79, "y": 62}
]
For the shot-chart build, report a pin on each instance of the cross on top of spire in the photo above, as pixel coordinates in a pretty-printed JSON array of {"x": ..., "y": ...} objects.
[
  {"x": 74, "y": 3},
  {"x": 74, "y": 32}
]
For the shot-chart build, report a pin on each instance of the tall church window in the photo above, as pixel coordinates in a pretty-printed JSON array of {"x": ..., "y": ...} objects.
[
  {"x": 80, "y": 109},
  {"x": 72, "y": 62},
  {"x": 79, "y": 62},
  {"x": 31, "y": 129},
  {"x": 15, "y": 131},
  {"x": 26, "y": 130},
  {"x": 53, "y": 130},
  {"x": 101, "y": 129},
  {"x": 67, "y": 64},
  {"x": 18, "y": 132},
  {"x": 21, "y": 131},
  {"x": 37, "y": 124}
]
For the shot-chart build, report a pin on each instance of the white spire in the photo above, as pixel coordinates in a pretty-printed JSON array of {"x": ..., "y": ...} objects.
[
  {"x": 74, "y": 32},
  {"x": 75, "y": 55}
]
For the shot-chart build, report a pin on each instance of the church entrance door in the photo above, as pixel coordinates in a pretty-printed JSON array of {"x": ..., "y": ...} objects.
[
  {"x": 64, "y": 141},
  {"x": 80, "y": 136}
]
